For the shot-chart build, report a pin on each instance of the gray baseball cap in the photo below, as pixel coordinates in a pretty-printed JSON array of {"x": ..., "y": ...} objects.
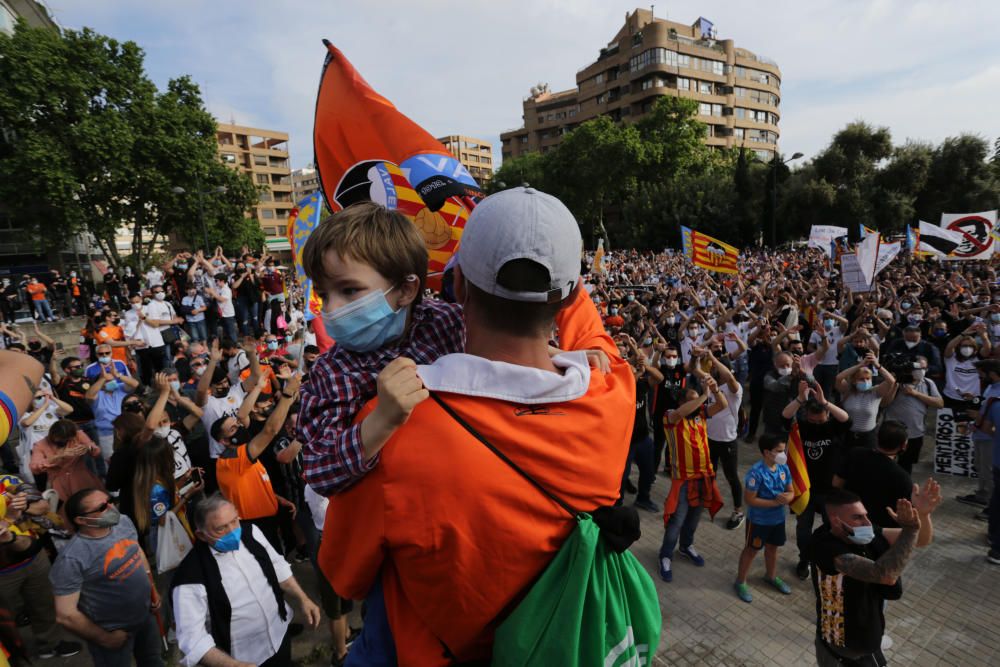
[{"x": 521, "y": 223}]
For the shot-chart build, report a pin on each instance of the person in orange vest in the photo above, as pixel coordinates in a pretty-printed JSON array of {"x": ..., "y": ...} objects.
[{"x": 564, "y": 423}]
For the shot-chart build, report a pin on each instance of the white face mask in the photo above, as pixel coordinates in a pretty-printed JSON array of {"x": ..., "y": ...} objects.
[
  {"x": 919, "y": 374},
  {"x": 38, "y": 402},
  {"x": 671, "y": 362},
  {"x": 784, "y": 371},
  {"x": 136, "y": 306},
  {"x": 781, "y": 458},
  {"x": 967, "y": 351},
  {"x": 160, "y": 296},
  {"x": 910, "y": 344},
  {"x": 200, "y": 371}
]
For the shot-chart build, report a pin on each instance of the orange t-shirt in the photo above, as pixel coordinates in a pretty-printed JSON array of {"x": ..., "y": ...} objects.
[
  {"x": 109, "y": 333},
  {"x": 246, "y": 485},
  {"x": 37, "y": 291},
  {"x": 441, "y": 513}
]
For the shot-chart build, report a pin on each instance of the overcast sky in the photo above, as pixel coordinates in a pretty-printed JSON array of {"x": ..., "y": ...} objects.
[{"x": 927, "y": 69}]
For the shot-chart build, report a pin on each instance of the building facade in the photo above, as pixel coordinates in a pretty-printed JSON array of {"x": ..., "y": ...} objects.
[
  {"x": 475, "y": 155},
  {"x": 305, "y": 181},
  {"x": 263, "y": 154},
  {"x": 738, "y": 92}
]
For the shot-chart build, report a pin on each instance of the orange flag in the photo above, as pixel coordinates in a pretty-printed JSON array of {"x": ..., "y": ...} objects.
[
  {"x": 800, "y": 475},
  {"x": 367, "y": 150}
]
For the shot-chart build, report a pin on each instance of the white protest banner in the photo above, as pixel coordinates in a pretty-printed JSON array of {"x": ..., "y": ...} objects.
[
  {"x": 867, "y": 256},
  {"x": 953, "y": 446},
  {"x": 977, "y": 233},
  {"x": 821, "y": 236},
  {"x": 854, "y": 278},
  {"x": 886, "y": 253}
]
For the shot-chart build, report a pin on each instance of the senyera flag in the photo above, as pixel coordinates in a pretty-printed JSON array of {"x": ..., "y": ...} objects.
[
  {"x": 367, "y": 150},
  {"x": 800, "y": 475},
  {"x": 302, "y": 220},
  {"x": 712, "y": 254}
]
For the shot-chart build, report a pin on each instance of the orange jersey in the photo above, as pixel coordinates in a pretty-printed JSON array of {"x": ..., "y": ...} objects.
[
  {"x": 687, "y": 443},
  {"x": 455, "y": 534},
  {"x": 246, "y": 485},
  {"x": 110, "y": 333},
  {"x": 37, "y": 291}
]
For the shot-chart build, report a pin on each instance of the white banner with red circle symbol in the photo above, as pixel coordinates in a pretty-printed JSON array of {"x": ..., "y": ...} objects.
[{"x": 977, "y": 231}]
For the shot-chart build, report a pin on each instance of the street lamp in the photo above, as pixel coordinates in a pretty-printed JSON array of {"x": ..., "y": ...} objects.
[
  {"x": 221, "y": 189},
  {"x": 775, "y": 161}
]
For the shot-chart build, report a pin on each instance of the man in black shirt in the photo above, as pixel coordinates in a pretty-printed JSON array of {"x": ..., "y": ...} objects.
[
  {"x": 874, "y": 474},
  {"x": 856, "y": 566},
  {"x": 8, "y": 300},
  {"x": 641, "y": 447},
  {"x": 820, "y": 426},
  {"x": 667, "y": 395}
]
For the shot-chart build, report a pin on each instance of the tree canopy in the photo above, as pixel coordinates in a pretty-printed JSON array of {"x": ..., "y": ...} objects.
[{"x": 89, "y": 144}]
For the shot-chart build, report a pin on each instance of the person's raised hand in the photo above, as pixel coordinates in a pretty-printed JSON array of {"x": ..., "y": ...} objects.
[
  {"x": 249, "y": 345},
  {"x": 293, "y": 384},
  {"x": 400, "y": 390},
  {"x": 905, "y": 514},
  {"x": 215, "y": 354},
  {"x": 162, "y": 383},
  {"x": 925, "y": 500},
  {"x": 803, "y": 391}
]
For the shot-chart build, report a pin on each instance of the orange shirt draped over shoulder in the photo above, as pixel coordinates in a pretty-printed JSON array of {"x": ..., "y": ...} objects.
[{"x": 455, "y": 534}]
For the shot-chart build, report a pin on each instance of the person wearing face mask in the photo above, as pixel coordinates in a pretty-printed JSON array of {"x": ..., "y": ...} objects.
[
  {"x": 875, "y": 475},
  {"x": 177, "y": 419},
  {"x": 45, "y": 411},
  {"x": 110, "y": 383},
  {"x": 768, "y": 490},
  {"x": 961, "y": 388},
  {"x": 778, "y": 391},
  {"x": 8, "y": 300},
  {"x": 856, "y": 567},
  {"x": 667, "y": 396},
  {"x": 193, "y": 308},
  {"x": 72, "y": 389},
  {"x": 103, "y": 586},
  {"x": 861, "y": 398},
  {"x": 218, "y": 396},
  {"x": 222, "y": 294},
  {"x": 241, "y": 475},
  {"x": 111, "y": 333},
  {"x": 982, "y": 439},
  {"x": 113, "y": 286},
  {"x": 229, "y": 593},
  {"x": 915, "y": 396},
  {"x": 61, "y": 458},
  {"x": 912, "y": 345},
  {"x": 697, "y": 332},
  {"x": 246, "y": 286}
]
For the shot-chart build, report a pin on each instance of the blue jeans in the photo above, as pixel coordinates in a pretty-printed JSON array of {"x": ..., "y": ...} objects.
[
  {"x": 44, "y": 310},
  {"x": 197, "y": 330},
  {"x": 683, "y": 522},
  {"x": 994, "y": 509},
  {"x": 143, "y": 642},
  {"x": 248, "y": 317},
  {"x": 229, "y": 329},
  {"x": 375, "y": 646}
]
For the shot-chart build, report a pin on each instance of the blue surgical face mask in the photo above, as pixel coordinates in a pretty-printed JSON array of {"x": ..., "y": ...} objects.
[
  {"x": 230, "y": 541},
  {"x": 863, "y": 385},
  {"x": 366, "y": 324},
  {"x": 272, "y": 345},
  {"x": 175, "y": 385},
  {"x": 104, "y": 360},
  {"x": 828, "y": 324},
  {"x": 112, "y": 385},
  {"x": 862, "y": 534}
]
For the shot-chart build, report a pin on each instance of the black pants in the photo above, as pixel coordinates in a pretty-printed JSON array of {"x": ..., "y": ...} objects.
[
  {"x": 756, "y": 407},
  {"x": 659, "y": 441},
  {"x": 640, "y": 451},
  {"x": 8, "y": 310},
  {"x": 151, "y": 361},
  {"x": 727, "y": 452},
  {"x": 911, "y": 454},
  {"x": 283, "y": 658}
]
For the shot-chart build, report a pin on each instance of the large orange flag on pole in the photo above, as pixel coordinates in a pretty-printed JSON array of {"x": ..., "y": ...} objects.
[
  {"x": 367, "y": 150},
  {"x": 800, "y": 475}
]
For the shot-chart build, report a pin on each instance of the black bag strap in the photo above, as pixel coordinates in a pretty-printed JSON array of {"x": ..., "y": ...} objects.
[{"x": 503, "y": 457}]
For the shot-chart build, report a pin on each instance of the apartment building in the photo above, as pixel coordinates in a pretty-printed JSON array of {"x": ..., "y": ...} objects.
[
  {"x": 305, "y": 181},
  {"x": 263, "y": 154},
  {"x": 738, "y": 92},
  {"x": 476, "y": 155}
]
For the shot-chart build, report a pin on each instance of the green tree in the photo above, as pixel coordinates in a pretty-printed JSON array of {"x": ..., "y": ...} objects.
[
  {"x": 959, "y": 179},
  {"x": 89, "y": 144}
]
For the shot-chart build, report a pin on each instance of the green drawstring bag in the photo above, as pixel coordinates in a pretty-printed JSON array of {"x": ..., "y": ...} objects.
[{"x": 593, "y": 606}]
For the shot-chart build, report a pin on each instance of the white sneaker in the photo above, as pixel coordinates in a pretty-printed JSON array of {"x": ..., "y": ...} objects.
[
  {"x": 665, "y": 572},
  {"x": 886, "y": 642}
]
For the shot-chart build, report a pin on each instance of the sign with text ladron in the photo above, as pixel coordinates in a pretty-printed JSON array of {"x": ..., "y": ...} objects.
[{"x": 953, "y": 446}]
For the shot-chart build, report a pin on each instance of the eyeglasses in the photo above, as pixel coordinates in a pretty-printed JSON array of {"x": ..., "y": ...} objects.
[{"x": 100, "y": 508}]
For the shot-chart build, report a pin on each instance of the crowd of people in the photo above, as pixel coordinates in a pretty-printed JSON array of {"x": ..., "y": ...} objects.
[{"x": 171, "y": 470}]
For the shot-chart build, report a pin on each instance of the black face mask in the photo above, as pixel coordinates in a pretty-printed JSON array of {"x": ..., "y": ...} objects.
[
  {"x": 220, "y": 392},
  {"x": 241, "y": 437},
  {"x": 132, "y": 406}
]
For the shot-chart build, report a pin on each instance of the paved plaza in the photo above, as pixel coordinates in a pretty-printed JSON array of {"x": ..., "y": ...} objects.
[{"x": 949, "y": 614}]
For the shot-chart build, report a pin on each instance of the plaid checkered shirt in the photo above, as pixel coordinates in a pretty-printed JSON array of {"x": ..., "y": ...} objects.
[{"x": 342, "y": 382}]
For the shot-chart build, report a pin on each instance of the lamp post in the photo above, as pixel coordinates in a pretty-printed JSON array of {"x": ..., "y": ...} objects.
[
  {"x": 775, "y": 161},
  {"x": 221, "y": 189}
]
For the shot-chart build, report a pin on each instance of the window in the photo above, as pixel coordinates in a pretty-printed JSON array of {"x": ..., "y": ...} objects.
[
  {"x": 763, "y": 155},
  {"x": 602, "y": 98},
  {"x": 599, "y": 78},
  {"x": 740, "y": 112},
  {"x": 740, "y": 92},
  {"x": 571, "y": 113},
  {"x": 683, "y": 60},
  {"x": 262, "y": 179},
  {"x": 716, "y": 109},
  {"x": 260, "y": 160},
  {"x": 683, "y": 84},
  {"x": 229, "y": 158},
  {"x": 524, "y": 139},
  {"x": 704, "y": 109},
  {"x": 267, "y": 213},
  {"x": 705, "y": 87},
  {"x": 718, "y": 67},
  {"x": 655, "y": 56},
  {"x": 266, "y": 196},
  {"x": 738, "y": 132}
]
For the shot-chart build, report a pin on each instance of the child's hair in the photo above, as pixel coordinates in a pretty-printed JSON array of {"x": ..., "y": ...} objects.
[
  {"x": 769, "y": 441},
  {"x": 370, "y": 233}
]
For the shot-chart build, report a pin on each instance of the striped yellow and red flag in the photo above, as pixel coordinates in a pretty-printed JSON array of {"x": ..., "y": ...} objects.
[
  {"x": 712, "y": 254},
  {"x": 800, "y": 475}
]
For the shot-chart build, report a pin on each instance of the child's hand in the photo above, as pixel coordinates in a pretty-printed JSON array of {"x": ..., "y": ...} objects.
[
  {"x": 400, "y": 390},
  {"x": 599, "y": 360}
]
